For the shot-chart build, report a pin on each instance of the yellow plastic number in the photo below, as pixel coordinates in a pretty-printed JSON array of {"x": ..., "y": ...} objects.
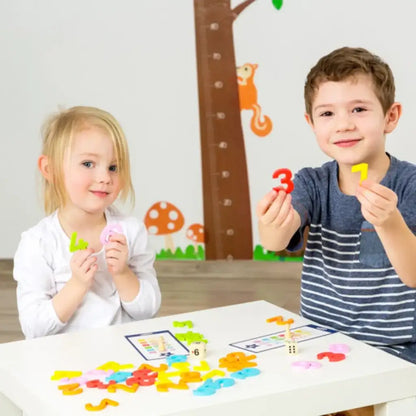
[{"x": 361, "y": 167}]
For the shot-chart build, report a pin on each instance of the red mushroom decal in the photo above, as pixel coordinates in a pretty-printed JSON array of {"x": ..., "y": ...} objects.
[
  {"x": 195, "y": 233},
  {"x": 163, "y": 218}
]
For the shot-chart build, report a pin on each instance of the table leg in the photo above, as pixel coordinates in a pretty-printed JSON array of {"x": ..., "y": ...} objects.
[{"x": 396, "y": 408}]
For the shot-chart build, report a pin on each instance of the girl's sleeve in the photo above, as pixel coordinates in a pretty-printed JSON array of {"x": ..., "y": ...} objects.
[
  {"x": 35, "y": 288},
  {"x": 141, "y": 260}
]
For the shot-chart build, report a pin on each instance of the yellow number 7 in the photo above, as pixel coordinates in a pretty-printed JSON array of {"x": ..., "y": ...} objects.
[{"x": 361, "y": 167}]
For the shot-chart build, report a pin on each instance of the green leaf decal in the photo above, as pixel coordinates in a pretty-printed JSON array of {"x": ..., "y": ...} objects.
[{"x": 278, "y": 4}]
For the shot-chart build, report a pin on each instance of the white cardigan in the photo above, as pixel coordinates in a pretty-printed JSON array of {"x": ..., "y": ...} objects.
[{"x": 41, "y": 269}]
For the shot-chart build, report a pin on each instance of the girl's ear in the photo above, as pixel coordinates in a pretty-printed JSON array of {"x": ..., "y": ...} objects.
[
  {"x": 392, "y": 117},
  {"x": 43, "y": 165}
]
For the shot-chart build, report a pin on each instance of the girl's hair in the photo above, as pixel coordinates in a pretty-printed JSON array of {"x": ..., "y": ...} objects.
[
  {"x": 58, "y": 133},
  {"x": 345, "y": 63}
]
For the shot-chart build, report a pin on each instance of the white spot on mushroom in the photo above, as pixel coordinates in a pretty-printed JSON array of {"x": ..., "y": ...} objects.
[
  {"x": 173, "y": 215},
  {"x": 153, "y": 213},
  {"x": 171, "y": 226},
  {"x": 152, "y": 229},
  {"x": 163, "y": 205},
  {"x": 189, "y": 233}
]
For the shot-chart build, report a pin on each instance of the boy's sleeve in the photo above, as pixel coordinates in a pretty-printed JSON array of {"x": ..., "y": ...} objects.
[
  {"x": 407, "y": 202},
  {"x": 141, "y": 260},
  {"x": 302, "y": 202},
  {"x": 35, "y": 288}
]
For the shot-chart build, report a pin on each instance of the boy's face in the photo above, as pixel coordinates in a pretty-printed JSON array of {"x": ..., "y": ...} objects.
[
  {"x": 92, "y": 181},
  {"x": 349, "y": 122}
]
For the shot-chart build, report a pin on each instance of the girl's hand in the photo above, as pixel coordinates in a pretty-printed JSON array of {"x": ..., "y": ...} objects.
[
  {"x": 378, "y": 203},
  {"x": 83, "y": 267},
  {"x": 116, "y": 254}
]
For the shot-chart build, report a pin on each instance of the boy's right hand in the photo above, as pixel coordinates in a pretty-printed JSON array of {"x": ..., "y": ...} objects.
[
  {"x": 277, "y": 220},
  {"x": 84, "y": 267},
  {"x": 275, "y": 209}
]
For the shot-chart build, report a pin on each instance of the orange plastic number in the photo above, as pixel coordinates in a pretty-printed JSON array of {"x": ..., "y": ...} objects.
[{"x": 285, "y": 176}]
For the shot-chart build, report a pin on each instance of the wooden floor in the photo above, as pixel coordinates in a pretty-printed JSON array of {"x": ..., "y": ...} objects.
[{"x": 189, "y": 286}]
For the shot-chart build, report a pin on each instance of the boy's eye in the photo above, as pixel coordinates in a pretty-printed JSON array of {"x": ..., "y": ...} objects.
[
  {"x": 113, "y": 168},
  {"x": 358, "y": 109},
  {"x": 87, "y": 164},
  {"x": 326, "y": 114}
]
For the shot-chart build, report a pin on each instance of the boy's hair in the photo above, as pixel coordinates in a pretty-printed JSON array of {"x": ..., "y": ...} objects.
[
  {"x": 58, "y": 133},
  {"x": 345, "y": 63}
]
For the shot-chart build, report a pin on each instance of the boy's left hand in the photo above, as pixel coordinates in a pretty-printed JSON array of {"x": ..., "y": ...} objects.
[
  {"x": 116, "y": 254},
  {"x": 378, "y": 203}
]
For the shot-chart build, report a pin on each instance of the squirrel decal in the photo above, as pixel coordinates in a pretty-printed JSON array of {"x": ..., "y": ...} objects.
[{"x": 248, "y": 99}]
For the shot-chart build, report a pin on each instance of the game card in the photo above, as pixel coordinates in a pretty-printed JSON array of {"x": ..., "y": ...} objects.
[
  {"x": 277, "y": 339},
  {"x": 156, "y": 345}
]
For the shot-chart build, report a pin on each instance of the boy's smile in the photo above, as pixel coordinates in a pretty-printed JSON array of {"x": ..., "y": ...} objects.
[{"x": 347, "y": 142}]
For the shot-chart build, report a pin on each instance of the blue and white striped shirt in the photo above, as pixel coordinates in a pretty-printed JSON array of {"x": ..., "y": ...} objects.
[{"x": 348, "y": 282}]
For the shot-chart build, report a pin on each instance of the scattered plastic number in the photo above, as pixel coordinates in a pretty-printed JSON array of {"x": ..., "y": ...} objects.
[
  {"x": 60, "y": 374},
  {"x": 178, "y": 324},
  {"x": 210, "y": 387},
  {"x": 130, "y": 389},
  {"x": 342, "y": 348},
  {"x": 306, "y": 365},
  {"x": 70, "y": 389},
  {"x": 236, "y": 361},
  {"x": 102, "y": 405},
  {"x": 175, "y": 359},
  {"x": 332, "y": 356},
  {"x": 246, "y": 372},
  {"x": 280, "y": 321}
]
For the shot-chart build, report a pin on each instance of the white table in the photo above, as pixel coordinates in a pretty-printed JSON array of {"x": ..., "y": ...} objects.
[{"x": 367, "y": 376}]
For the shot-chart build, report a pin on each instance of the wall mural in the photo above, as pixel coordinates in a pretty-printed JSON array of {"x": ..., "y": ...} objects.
[
  {"x": 224, "y": 90},
  {"x": 165, "y": 220},
  {"x": 247, "y": 93},
  {"x": 226, "y": 200}
]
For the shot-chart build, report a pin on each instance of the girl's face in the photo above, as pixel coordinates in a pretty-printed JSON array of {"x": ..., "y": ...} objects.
[
  {"x": 349, "y": 122},
  {"x": 91, "y": 177}
]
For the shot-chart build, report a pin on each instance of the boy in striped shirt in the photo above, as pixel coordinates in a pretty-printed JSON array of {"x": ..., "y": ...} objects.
[{"x": 359, "y": 269}]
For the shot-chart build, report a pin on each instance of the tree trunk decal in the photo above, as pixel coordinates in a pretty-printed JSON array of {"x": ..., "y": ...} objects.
[{"x": 227, "y": 212}]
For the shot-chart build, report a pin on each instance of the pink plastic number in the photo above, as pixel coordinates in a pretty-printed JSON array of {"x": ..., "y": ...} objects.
[
  {"x": 108, "y": 231},
  {"x": 285, "y": 180}
]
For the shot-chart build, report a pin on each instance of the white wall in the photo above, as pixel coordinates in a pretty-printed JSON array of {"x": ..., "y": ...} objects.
[{"x": 136, "y": 59}]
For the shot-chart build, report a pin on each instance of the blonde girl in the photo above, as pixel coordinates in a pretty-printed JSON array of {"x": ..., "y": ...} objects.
[{"x": 63, "y": 286}]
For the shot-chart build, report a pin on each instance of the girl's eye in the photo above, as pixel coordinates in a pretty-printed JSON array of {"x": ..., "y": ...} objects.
[
  {"x": 358, "y": 109},
  {"x": 113, "y": 168},
  {"x": 87, "y": 164}
]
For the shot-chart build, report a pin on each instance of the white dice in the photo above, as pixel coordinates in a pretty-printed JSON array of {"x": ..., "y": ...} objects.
[{"x": 197, "y": 350}]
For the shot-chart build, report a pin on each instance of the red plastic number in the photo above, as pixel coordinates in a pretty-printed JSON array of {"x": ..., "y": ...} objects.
[
  {"x": 285, "y": 180},
  {"x": 332, "y": 356}
]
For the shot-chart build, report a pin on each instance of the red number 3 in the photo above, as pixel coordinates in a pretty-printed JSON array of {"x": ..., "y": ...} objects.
[{"x": 284, "y": 180}]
